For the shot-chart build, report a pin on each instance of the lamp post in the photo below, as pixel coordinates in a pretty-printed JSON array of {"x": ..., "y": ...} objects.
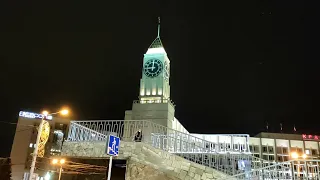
[
  {"x": 35, "y": 152},
  {"x": 60, "y": 162}
]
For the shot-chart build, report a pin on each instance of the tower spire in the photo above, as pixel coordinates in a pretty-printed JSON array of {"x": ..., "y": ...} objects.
[
  {"x": 158, "y": 27},
  {"x": 157, "y": 42}
]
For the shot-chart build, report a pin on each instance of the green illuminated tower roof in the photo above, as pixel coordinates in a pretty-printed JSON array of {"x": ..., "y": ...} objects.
[
  {"x": 156, "y": 46},
  {"x": 156, "y": 43}
]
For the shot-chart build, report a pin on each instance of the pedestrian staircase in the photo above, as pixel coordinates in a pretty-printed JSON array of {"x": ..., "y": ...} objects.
[{"x": 237, "y": 163}]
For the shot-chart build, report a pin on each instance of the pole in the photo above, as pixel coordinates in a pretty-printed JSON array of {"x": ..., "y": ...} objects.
[
  {"x": 110, "y": 166},
  {"x": 60, "y": 172},
  {"x": 35, "y": 152}
]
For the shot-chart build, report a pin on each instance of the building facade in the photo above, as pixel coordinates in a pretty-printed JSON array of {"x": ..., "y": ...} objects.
[
  {"x": 25, "y": 139},
  {"x": 281, "y": 147}
]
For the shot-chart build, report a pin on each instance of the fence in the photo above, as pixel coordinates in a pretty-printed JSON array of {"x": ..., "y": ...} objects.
[
  {"x": 214, "y": 155},
  {"x": 236, "y": 162}
]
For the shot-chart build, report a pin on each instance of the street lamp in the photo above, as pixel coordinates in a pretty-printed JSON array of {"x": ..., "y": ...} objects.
[
  {"x": 35, "y": 152},
  {"x": 295, "y": 155},
  {"x": 59, "y": 162}
]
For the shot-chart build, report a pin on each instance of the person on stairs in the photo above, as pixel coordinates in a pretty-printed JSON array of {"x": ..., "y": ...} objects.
[{"x": 138, "y": 136}]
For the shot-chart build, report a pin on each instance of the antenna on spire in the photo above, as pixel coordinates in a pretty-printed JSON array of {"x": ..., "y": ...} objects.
[{"x": 158, "y": 27}]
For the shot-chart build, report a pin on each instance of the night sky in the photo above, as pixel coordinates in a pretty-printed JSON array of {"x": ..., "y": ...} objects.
[{"x": 235, "y": 65}]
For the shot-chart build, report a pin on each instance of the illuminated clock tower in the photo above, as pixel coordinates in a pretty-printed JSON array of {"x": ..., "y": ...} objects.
[
  {"x": 154, "y": 102},
  {"x": 154, "y": 84}
]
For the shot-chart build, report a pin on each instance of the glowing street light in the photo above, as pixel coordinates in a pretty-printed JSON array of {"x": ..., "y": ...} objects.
[
  {"x": 47, "y": 176},
  {"x": 45, "y": 113},
  {"x": 304, "y": 156},
  {"x": 64, "y": 112},
  {"x": 35, "y": 152},
  {"x": 54, "y": 161},
  {"x": 294, "y": 155},
  {"x": 59, "y": 162}
]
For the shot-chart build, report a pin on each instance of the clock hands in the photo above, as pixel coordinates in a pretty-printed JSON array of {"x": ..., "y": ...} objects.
[{"x": 152, "y": 65}]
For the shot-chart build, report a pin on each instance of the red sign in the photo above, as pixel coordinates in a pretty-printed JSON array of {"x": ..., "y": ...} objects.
[{"x": 310, "y": 137}]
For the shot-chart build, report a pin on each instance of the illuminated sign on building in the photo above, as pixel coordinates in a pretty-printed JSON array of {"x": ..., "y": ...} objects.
[
  {"x": 34, "y": 115},
  {"x": 310, "y": 137}
]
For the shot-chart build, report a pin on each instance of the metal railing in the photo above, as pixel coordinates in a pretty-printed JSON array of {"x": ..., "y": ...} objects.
[
  {"x": 238, "y": 163},
  {"x": 78, "y": 132},
  {"x": 159, "y": 136},
  {"x": 214, "y": 155},
  {"x": 146, "y": 101},
  {"x": 294, "y": 169}
]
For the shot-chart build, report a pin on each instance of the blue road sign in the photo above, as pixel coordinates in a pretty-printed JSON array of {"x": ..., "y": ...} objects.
[{"x": 113, "y": 145}]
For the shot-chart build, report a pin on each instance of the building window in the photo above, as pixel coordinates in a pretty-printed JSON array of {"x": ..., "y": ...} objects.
[
  {"x": 279, "y": 150},
  {"x": 307, "y": 152},
  {"x": 265, "y": 157},
  {"x": 264, "y": 149},
  {"x": 57, "y": 141},
  {"x": 314, "y": 152},
  {"x": 270, "y": 148},
  {"x": 271, "y": 158},
  {"x": 299, "y": 150},
  {"x": 280, "y": 158},
  {"x": 256, "y": 148}
]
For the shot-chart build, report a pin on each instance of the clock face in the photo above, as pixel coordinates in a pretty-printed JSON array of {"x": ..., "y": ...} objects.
[
  {"x": 153, "y": 67},
  {"x": 166, "y": 70}
]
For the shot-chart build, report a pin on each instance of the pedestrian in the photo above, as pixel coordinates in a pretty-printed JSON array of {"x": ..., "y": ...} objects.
[{"x": 138, "y": 136}]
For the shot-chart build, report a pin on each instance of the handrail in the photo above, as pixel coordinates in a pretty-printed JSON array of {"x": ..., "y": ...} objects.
[
  {"x": 161, "y": 127},
  {"x": 183, "y": 144},
  {"x": 187, "y": 146}
]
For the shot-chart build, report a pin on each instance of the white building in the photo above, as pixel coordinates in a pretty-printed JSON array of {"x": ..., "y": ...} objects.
[{"x": 280, "y": 147}]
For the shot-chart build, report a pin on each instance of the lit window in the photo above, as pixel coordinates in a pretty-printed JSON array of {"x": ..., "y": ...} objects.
[
  {"x": 142, "y": 92},
  {"x": 30, "y": 145},
  {"x": 307, "y": 151},
  {"x": 154, "y": 91}
]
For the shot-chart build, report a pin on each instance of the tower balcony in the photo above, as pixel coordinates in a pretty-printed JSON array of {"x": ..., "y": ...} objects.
[{"x": 153, "y": 101}]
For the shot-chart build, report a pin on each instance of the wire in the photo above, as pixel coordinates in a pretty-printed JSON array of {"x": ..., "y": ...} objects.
[
  {"x": 71, "y": 167},
  {"x": 16, "y": 124}
]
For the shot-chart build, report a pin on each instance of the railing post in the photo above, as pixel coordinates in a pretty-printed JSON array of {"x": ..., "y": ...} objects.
[
  {"x": 69, "y": 132},
  {"x": 306, "y": 168},
  {"x": 292, "y": 170},
  {"x": 262, "y": 173}
]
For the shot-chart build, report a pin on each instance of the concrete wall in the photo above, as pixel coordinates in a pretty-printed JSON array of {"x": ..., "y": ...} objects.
[
  {"x": 145, "y": 162},
  {"x": 176, "y": 125},
  {"x": 159, "y": 113}
]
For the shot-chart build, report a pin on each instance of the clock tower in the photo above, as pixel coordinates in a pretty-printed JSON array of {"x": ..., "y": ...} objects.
[
  {"x": 154, "y": 84},
  {"x": 154, "y": 102}
]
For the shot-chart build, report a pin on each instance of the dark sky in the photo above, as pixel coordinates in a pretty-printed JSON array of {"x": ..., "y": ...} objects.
[{"x": 234, "y": 64}]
